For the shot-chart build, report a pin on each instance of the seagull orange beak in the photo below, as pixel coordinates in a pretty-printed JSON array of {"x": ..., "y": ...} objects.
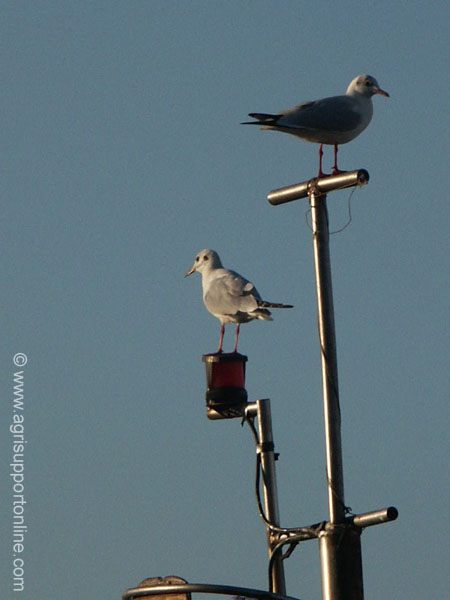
[
  {"x": 190, "y": 271},
  {"x": 382, "y": 92}
]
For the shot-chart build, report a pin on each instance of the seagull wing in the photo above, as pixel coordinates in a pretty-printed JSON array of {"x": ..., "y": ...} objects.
[
  {"x": 229, "y": 294},
  {"x": 338, "y": 113}
]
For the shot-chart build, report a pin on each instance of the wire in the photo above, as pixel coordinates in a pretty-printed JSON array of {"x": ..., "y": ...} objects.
[
  {"x": 251, "y": 424},
  {"x": 308, "y": 531},
  {"x": 350, "y": 218},
  {"x": 349, "y": 215},
  {"x": 334, "y": 388},
  {"x": 291, "y": 536},
  {"x": 293, "y": 541}
]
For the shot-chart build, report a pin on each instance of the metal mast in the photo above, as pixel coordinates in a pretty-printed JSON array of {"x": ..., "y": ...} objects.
[{"x": 339, "y": 539}]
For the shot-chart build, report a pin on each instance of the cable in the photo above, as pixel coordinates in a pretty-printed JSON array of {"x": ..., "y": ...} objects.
[
  {"x": 335, "y": 391},
  {"x": 350, "y": 218},
  {"x": 305, "y": 534},
  {"x": 291, "y": 536},
  {"x": 308, "y": 531},
  {"x": 349, "y": 215}
]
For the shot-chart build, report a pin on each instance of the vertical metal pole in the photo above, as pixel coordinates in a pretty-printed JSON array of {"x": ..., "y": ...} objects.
[
  {"x": 327, "y": 338},
  {"x": 339, "y": 542},
  {"x": 266, "y": 451}
]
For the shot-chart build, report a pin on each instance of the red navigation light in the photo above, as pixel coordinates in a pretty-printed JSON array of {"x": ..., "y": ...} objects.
[{"x": 226, "y": 396}]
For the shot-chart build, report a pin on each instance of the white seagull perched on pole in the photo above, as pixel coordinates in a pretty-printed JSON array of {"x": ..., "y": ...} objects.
[
  {"x": 229, "y": 296},
  {"x": 335, "y": 120}
]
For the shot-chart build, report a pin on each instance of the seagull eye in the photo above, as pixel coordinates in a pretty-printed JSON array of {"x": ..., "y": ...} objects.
[
  {"x": 197, "y": 259},
  {"x": 206, "y": 258}
]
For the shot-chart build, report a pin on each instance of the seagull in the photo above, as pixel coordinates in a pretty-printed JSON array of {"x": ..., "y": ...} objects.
[
  {"x": 335, "y": 120},
  {"x": 229, "y": 296}
]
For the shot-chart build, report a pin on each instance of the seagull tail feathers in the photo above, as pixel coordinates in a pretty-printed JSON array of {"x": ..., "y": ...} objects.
[
  {"x": 262, "y": 119},
  {"x": 263, "y": 304}
]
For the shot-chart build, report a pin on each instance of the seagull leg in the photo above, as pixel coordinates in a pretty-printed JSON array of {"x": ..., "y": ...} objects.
[
  {"x": 222, "y": 332},
  {"x": 238, "y": 326},
  {"x": 335, "y": 168},
  {"x": 321, "y": 173}
]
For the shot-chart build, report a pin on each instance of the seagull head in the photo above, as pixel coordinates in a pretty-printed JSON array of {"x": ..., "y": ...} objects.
[
  {"x": 365, "y": 85},
  {"x": 206, "y": 260}
]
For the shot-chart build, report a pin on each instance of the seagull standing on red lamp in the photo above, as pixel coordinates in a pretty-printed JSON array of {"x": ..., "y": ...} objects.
[
  {"x": 229, "y": 296},
  {"x": 232, "y": 299}
]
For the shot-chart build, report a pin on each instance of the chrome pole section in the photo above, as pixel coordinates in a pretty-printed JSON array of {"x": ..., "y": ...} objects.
[
  {"x": 266, "y": 450},
  {"x": 327, "y": 338},
  {"x": 339, "y": 542},
  {"x": 322, "y": 185}
]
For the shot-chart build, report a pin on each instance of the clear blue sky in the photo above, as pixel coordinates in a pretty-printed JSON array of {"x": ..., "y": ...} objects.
[{"x": 122, "y": 158}]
